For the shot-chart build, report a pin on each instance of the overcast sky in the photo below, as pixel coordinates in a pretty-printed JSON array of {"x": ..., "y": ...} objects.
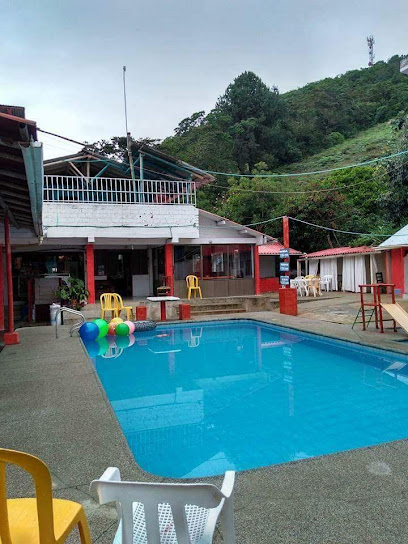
[{"x": 62, "y": 59}]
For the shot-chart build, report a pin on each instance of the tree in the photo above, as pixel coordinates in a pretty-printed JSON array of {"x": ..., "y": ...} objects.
[
  {"x": 116, "y": 147},
  {"x": 257, "y": 115},
  {"x": 395, "y": 201}
]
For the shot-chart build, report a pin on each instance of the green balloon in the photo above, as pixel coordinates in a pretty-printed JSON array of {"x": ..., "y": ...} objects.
[
  {"x": 102, "y": 326},
  {"x": 122, "y": 329},
  {"x": 103, "y": 345}
]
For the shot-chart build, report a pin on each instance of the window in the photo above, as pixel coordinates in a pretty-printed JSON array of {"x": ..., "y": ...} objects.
[
  {"x": 215, "y": 261},
  {"x": 240, "y": 261},
  {"x": 187, "y": 260}
]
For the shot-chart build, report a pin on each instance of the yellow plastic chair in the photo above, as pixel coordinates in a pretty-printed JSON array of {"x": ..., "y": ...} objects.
[
  {"x": 119, "y": 307},
  {"x": 42, "y": 520},
  {"x": 108, "y": 305},
  {"x": 192, "y": 285},
  {"x": 112, "y": 302}
]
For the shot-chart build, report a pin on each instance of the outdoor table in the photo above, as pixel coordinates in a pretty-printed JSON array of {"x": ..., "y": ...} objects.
[{"x": 162, "y": 301}]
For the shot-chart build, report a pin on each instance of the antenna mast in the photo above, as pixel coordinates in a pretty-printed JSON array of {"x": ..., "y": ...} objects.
[
  {"x": 128, "y": 136},
  {"x": 370, "y": 43}
]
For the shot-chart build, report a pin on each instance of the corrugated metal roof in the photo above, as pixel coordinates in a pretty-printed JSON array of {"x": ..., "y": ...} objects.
[
  {"x": 274, "y": 247},
  {"x": 337, "y": 251},
  {"x": 16, "y": 191},
  {"x": 399, "y": 239}
]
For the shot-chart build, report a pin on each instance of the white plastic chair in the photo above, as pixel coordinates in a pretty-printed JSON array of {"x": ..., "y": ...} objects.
[
  {"x": 326, "y": 282},
  {"x": 163, "y": 513},
  {"x": 302, "y": 287}
]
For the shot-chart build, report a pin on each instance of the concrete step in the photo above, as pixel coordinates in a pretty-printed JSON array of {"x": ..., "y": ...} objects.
[
  {"x": 215, "y": 311},
  {"x": 208, "y": 305}
]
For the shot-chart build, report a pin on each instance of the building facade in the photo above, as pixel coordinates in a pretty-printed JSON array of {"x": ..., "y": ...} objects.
[{"x": 131, "y": 236}]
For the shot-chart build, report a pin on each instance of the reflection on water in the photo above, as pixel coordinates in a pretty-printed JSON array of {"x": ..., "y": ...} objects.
[{"x": 197, "y": 400}]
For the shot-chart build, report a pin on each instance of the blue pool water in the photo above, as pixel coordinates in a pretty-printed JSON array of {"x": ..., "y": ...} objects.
[{"x": 197, "y": 400}]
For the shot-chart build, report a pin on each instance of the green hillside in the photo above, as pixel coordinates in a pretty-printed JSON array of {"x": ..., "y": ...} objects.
[{"x": 374, "y": 142}]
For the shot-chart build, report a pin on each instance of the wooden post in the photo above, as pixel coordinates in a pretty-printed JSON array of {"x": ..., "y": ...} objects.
[
  {"x": 256, "y": 271},
  {"x": 169, "y": 267},
  {"x": 90, "y": 272},
  {"x": 10, "y": 337}
]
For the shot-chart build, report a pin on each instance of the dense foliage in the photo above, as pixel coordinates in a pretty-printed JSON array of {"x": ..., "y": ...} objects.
[{"x": 255, "y": 131}]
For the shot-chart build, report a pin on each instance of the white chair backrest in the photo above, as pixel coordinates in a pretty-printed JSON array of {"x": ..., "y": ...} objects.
[
  {"x": 299, "y": 278},
  {"x": 110, "y": 488},
  {"x": 328, "y": 277}
]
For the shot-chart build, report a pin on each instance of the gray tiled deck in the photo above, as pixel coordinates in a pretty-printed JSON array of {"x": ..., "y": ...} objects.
[{"x": 52, "y": 405}]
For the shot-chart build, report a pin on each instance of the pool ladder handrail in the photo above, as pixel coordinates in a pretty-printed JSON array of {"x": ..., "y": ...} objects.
[{"x": 75, "y": 326}]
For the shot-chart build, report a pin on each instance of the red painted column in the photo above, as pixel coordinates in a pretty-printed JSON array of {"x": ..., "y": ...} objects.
[
  {"x": 10, "y": 337},
  {"x": 90, "y": 272},
  {"x": 1, "y": 290},
  {"x": 285, "y": 222},
  {"x": 169, "y": 267},
  {"x": 256, "y": 271},
  {"x": 285, "y": 226}
]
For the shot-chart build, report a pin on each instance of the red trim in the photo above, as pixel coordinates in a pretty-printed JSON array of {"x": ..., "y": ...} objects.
[
  {"x": 163, "y": 315},
  {"x": 169, "y": 267},
  {"x": 256, "y": 271},
  {"x": 1, "y": 290},
  {"x": 10, "y": 337},
  {"x": 285, "y": 224},
  {"x": 397, "y": 268},
  {"x": 269, "y": 285},
  {"x": 90, "y": 272}
]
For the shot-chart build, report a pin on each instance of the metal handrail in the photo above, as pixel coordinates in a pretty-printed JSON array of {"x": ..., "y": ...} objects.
[{"x": 71, "y": 311}]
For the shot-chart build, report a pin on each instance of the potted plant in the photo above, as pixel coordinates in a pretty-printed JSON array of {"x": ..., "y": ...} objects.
[{"x": 73, "y": 293}]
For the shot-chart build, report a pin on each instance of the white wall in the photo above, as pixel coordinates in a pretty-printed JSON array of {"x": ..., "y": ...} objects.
[{"x": 123, "y": 220}]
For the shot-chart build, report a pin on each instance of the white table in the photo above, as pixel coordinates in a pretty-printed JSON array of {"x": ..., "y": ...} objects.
[{"x": 162, "y": 301}]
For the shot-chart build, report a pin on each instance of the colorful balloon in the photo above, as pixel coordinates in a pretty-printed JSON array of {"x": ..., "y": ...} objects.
[
  {"x": 131, "y": 326},
  {"x": 122, "y": 329},
  {"x": 88, "y": 331},
  {"x": 112, "y": 328},
  {"x": 117, "y": 320},
  {"x": 102, "y": 326}
]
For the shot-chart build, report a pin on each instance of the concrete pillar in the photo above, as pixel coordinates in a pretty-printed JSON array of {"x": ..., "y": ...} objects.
[
  {"x": 90, "y": 272},
  {"x": 256, "y": 271},
  {"x": 169, "y": 267},
  {"x": 10, "y": 337}
]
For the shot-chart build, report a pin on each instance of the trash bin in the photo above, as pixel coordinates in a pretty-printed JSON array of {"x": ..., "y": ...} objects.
[{"x": 54, "y": 307}]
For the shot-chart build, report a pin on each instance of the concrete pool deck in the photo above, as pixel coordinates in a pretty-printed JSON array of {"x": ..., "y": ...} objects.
[{"x": 52, "y": 405}]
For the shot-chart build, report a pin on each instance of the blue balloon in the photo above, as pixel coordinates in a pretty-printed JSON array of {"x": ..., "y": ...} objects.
[{"x": 89, "y": 331}]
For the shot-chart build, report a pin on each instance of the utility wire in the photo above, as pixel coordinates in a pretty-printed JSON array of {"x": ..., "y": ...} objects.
[{"x": 364, "y": 163}]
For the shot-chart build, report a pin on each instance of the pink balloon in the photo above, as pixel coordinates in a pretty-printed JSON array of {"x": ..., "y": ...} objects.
[{"x": 131, "y": 326}]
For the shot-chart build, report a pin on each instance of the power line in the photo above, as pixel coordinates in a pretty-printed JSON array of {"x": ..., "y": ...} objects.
[
  {"x": 313, "y": 173},
  {"x": 287, "y": 192},
  {"x": 63, "y": 137}
]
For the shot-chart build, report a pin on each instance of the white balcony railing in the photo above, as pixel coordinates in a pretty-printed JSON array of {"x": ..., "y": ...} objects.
[{"x": 118, "y": 190}]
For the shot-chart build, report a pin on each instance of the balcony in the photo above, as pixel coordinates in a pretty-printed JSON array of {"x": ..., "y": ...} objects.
[{"x": 75, "y": 189}]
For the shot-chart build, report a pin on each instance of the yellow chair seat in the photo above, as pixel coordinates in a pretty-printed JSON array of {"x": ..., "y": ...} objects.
[{"x": 23, "y": 520}]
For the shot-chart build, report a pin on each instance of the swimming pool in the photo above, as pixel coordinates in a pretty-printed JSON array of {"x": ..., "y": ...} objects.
[{"x": 197, "y": 399}]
